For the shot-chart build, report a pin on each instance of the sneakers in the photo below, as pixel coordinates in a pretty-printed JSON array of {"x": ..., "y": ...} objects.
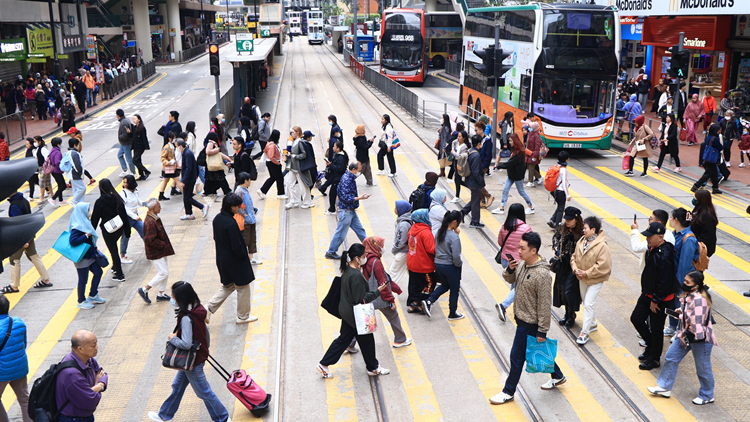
[
  {"x": 655, "y": 169},
  {"x": 406, "y": 342},
  {"x": 250, "y": 318},
  {"x": 143, "y": 293},
  {"x": 154, "y": 416},
  {"x": 261, "y": 195},
  {"x": 188, "y": 216},
  {"x": 649, "y": 365},
  {"x": 455, "y": 200},
  {"x": 206, "y": 208},
  {"x": 120, "y": 278},
  {"x": 530, "y": 185},
  {"x": 71, "y": 203},
  {"x": 629, "y": 173},
  {"x": 427, "y": 306},
  {"x": 582, "y": 339},
  {"x": 85, "y": 305},
  {"x": 644, "y": 174},
  {"x": 95, "y": 300},
  {"x": 679, "y": 169},
  {"x": 352, "y": 349},
  {"x": 380, "y": 172},
  {"x": 332, "y": 255},
  {"x": 669, "y": 331},
  {"x": 291, "y": 205},
  {"x": 125, "y": 260},
  {"x": 658, "y": 391},
  {"x": 498, "y": 210},
  {"x": 456, "y": 316},
  {"x": 371, "y": 184},
  {"x": 379, "y": 371},
  {"x": 256, "y": 262},
  {"x": 501, "y": 312},
  {"x": 282, "y": 196},
  {"x": 553, "y": 383},
  {"x": 324, "y": 371},
  {"x": 642, "y": 343},
  {"x": 163, "y": 297},
  {"x": 530, "y": 211},
  {"x": 476, "y": 225},
  {"x": 742, "y": 164},
  {"x": 391, "y": 175},
  {"x": 329, "y": 212},
  {"x": 305, "y": 206},
  {"x": 91, "y": 182},
  {"x": 501, "y": 398},
  {"x": 728, "y": 164},
  {"x": 123, "y": 174},
  {"x": 700, "y": 402}
]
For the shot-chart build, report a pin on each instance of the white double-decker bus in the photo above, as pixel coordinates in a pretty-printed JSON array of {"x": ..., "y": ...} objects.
[{"x": 315, "y": 25}]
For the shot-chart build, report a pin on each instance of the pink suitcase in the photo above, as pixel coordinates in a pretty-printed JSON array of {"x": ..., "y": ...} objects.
[{"x": 242, "y": 386}]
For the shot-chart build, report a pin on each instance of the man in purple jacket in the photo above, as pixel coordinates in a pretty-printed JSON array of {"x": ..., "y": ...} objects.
[{"x": 78, "y": 392}]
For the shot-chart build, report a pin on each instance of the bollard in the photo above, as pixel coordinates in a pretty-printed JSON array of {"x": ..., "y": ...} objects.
[
  {"x": 445, "y": 108},
  {"x": 423, "y": 112}
]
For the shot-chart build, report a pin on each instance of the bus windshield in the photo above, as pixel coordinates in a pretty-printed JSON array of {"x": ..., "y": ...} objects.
[
  {"x": 402, "y": 46},
  {"x": 403, "y": 22},
  {"x": 572, "y": 100},
  {"x": 578, "y": 29}
]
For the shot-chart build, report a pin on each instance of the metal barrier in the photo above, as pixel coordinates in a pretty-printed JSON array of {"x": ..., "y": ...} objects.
[
  {"x": 192, "y": 52},
  {"x": 221, "y": 39},
  {"x": 227, "y": 108},
  {"x": 408, "y": 100},
  {"x": 133, "y": 76},
  {"x": 453, "y": 68},
  {"x": 622, "y": 128},
  {"x": 14, "y": 126}
]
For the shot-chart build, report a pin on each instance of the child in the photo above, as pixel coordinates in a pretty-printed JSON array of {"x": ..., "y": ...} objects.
[{"x": 744, "y": 147}]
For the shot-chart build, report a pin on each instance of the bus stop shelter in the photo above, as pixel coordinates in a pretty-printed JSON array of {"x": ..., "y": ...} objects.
[
  {"x": 337, "y": 33},
  {"x": 246, "y": 68}
]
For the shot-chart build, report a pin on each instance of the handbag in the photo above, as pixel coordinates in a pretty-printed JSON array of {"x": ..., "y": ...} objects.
[
  {"x": 239, "y": 218},
  {"x": 169, "y": 169},
  {"x": 711, "y": 154},
  {"x": 182, "y": 360},
  {"x": 529, "y": 152},
  {"x": 114, "y": 224},
  {"x": 101, "y": 259},
  {"x": 640, "y": 146},
  {"x": 161, "y": 130},
  {"x": 201, "y": 160},
  {"x": 555, "y": 264},
  {"x": 683, "y": 134},
  {"x": 331, "y": 302},
  {"x": 74, "y": 253},
  {"x": 364, "y": 318},
  {"x": 214, "y": 163},
  {"x": 499, "y": 255},
  {"x": 540, "y": 357},
  {"x": 626, "y": 160},
  {"x": 382, "y": 145}
]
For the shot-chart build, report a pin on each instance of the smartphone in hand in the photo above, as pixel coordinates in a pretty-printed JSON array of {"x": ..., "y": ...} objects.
[
  {"x": 671, "y": 312},
  {"x": 510, "y": 257}
]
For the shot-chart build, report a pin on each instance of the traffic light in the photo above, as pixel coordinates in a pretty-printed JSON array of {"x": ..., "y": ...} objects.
[
  {"x": 17, "y": 231},
  {"x": 213, "y": 59},
  {"x": 679, "y": 64},
  {"x": 488, "y": 60},
  {"x": 500, "y": 68}
]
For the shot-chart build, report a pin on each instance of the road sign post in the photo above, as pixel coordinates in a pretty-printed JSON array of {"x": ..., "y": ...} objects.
[{"x": 244, "y": 43}]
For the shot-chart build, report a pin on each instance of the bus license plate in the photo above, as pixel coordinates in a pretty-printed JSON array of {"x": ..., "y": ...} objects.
[{"x": 572, "y": 145}]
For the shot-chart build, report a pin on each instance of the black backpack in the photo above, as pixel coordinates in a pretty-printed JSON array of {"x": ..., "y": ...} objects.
[
  {"x": 108, "y": 77},
  {"x": 42, "y": 404},
  {"x": 420, "y": 198}
]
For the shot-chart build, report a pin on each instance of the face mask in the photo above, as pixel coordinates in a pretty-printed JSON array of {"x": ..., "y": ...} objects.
[
  {"x": 695, "y": 202},
  {"x": 362, "y": 261},
  {"x": 223, "y": 120},
  {"x": 686, "y": 288},
  {"x": 330, "y": 123}
]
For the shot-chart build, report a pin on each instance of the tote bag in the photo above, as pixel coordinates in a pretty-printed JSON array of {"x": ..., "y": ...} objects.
[
  {"x": 214, "y": 163},
  {"x": 540, "y": 357},
  {"x": 364, "y": 318},
  {"x": 73, "y": 253}
]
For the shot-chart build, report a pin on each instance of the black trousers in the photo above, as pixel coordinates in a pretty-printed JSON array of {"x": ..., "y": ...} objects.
[
  {"x": 650, "y": 325},
  {"x": 459, "y": 181},
  {"x": 110, "y": 239},
  {"x": 560, "y": 199},
  {"x": 645, "y": 164},
  {"x": 387, "y": 152},
  {"x": 211, "y": 187},
  {"x": 728, "y": 149},
  {"x": 81, "y": 100},
  {"x": 473, "y": 205},
  {"x": 188, "y": 200},
  {"x": 671, "y": 149},
  {"x": 421, "y": 285},
  {"x": 710, "y": 172},
  {"x": 60, "y": 181},
  {"x": 346, "y": 334},
  {"x": 262, "y": 147},
  {"x": 332, "y": 197},
  {"x": 33, "y": 180},
  {"x": 274, "y": 176},
  {"x": 138, "y": 162}
]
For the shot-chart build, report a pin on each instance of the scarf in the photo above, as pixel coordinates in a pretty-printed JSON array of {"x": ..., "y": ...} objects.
[
  {"x": 587, "y": 242},
  {"x": 421, "y": 216},
  {"x": 374, "y": 245},
  {"x": 402, "y": 207},
  {"x": 79, "y": 220}
]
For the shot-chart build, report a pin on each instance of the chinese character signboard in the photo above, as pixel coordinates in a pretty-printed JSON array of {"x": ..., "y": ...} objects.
[
  {"x": 12, "y": 49},
  {"x": 91, "y": 47},
  {"x": 244, "y": 43},
  {"x": 40, "y": 42}
]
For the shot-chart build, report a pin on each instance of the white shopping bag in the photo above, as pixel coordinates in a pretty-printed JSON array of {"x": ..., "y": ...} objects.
[{"x": 364, "y": 318}]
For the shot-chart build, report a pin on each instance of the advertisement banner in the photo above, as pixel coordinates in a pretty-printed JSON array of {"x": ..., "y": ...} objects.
[
  {"x": 40, "y": 42},
  {"x": 677, "y": 7},
  {"x": 90, "y": 47},
  {"x": 12, "y": 49}
]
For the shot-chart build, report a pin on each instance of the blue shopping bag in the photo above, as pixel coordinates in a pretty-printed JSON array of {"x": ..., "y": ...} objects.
[
  {"x": 73, "y": 253},
  {"x": 540, "y": 357}
]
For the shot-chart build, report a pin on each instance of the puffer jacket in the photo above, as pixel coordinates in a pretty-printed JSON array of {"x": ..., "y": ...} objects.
[
  {"x": 533, "y": 294},
  {"x": 533, "y": 143},
  {"x": 401, "y": 238},
  {"x": 437, "y": 213},
  {"x": 512, "y": 244},
  {"x": 596, "y": 261},
  {"x": 421, "y": 256},
  {"x": 13, "y": 361}
]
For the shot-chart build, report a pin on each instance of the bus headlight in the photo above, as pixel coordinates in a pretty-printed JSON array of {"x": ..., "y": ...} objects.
[
  {"x": 419, "y": 71},
  {"x": 608, "y": 128}
]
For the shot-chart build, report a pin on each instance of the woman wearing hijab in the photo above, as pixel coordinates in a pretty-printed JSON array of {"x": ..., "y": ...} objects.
[
  {"x": 447, "y": 265},
  {"x": 373, "y": 267},
  {"x": 400, "y": 240},
  {"x": 692, "y": 115},
  {"x": 444, "y": 135},
  {"x": 640, "y": 145},
  {"x": 533, "y": 144},
  {"x": 362, "y": 153},
  {"x": 107, "y": 207},
  {"x": 420, "y": 260},
  {"x": 82, "y": 231},
  {"x": 437, "y": 209}
]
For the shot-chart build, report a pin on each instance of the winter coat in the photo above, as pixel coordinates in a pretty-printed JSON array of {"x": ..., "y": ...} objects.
[
  {"x": 337, "y": 168},
  {"x": 155, "y": 239},
  {"x": 125, "y": 137},
  {"x": 744, "y": 144},
  {"x": 632, "y": 109},
  {"x": 533, "y": 294},
  {"x": 362, "y": 146},
  {"x": 106, "y": 208},
  {"x": 232, "y": 258},
  {"x": 704, "y": 229},
  {"x": 533, "y": 143},
  {"x": 476, "y": 179},
  {"x": 444, "y": 135},
  {"x": 354, "y": 290},
  {"x": 14, "y": 364},
  {"x": 421, "y": 255},
  {"x": 167, "y": 156},
  {"x": 596, "y": 261},
  {"x": 514, "y": 239},
  {"x": 55, "y": 156},
  {"x": 401, "y": 238},
  {"x": 659, "y": 276},
  {"x": 642, "y": 136},
  {"x": 515, "y": 166},
  {"x": 140, "y": 139},
  {"x": 437, "y": 213},
  {"x": 709, "y": 104}
]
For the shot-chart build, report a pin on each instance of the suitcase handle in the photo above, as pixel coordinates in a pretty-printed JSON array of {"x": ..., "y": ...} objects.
[{"x": 223, "y": 372}]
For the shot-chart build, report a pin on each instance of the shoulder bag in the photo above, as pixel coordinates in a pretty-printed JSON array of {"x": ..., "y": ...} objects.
[
  {"x": 175, "y": 358},
  {"x": 239, "y": 218},
  {"x": 214, "y": 163},
  {"x": 101, "y": 259},
  {"x": 378, "y": 303},
  {"x": 499, "y": 255},
  {"x": 7, "y": 335},
  {"x": 364, "y": 318},
  {"x": 331, "y": 302},
  {"x": 73, "y": 253},
  {"x": 114, "y": 224}
]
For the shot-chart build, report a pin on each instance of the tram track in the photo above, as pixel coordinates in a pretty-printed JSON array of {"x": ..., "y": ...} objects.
[{"x": 609, "y": 380}]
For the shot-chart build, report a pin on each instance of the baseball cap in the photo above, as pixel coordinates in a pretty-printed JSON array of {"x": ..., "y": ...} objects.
[
  {"x": 308, "y": 134},
  {"x": 72, "y": 131},
  {"x": 654, "y": 229}
]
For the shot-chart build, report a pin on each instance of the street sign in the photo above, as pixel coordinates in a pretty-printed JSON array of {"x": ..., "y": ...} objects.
[
  {"x": 172, "y": 32},
  {"x": 131, "y": 43},
  {"x": 244, "y": 43},
  {"x": 265, "y": 33},
  {"x": 160, "y": 29}
]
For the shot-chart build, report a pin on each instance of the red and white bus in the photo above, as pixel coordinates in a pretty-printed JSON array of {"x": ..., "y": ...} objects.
[{"x": 403, "y": 55}]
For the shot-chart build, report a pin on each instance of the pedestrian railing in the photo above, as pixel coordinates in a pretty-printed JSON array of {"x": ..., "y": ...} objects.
[
  {"x": 622, "y": 128},
  {"x": 453, "y": 68},
  {"x": 405, "y": 98},
  {"x": 192, "y": 52},
  {"x": 133, "y": 76},
  {"x": 221, "y": 39},
  {"x": 14, "y": 126}
]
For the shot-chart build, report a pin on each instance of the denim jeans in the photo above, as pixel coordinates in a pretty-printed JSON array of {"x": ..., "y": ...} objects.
[
  {"x": 450, "y": 278},
  {"x": 519, "y": 187},
  {"x": 518, "y": 358},
  {"x": 512, "y": 295},
  {"x": 197, "y": 379},
  {"x": 125, "y": 155},
  {"x": 347, "y": 219},
  {"x": 83, "y": 278},
  {"x": 702, "y": 356},
  {"x": 89, "y": 97},
  {"x": 202, "y": 174},
  {"x": 79, "y": 190},
  {"x": 124, "y": 240}
]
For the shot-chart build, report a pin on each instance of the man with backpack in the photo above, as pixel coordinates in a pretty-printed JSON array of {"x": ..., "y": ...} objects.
[
  {"x": 420, "y": 198},
  {"x": 14, "y": 364},
  {"x": 108, "y": 91},
  {"x": 473, "y": 176}
]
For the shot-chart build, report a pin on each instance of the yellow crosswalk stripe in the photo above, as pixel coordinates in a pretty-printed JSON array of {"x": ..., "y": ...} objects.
[{"x": 725, "y": 291}]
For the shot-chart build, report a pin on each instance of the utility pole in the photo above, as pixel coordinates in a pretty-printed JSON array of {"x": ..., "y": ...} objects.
[
  {"x": 680, "y": 48},
  {"x": 355, "y": 45},
  {"x": 493, "y": 132},
  {"x": 53, "y": 31}
]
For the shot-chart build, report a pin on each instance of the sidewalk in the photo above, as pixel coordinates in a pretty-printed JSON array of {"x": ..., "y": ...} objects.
[{"x": 47, "y": 128}]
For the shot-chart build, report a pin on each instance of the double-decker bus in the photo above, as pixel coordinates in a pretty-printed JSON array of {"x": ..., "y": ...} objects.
[
  {"x": 402, "y": 45},
  {"x": 315, "y": 25},
  {"x": 441, "y": 30},
  {"x": 295, "y": 27},
  {"x": 565, "y": 61}
]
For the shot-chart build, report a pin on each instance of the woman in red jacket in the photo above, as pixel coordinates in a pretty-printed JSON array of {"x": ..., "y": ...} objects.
[
  {"x": 386, "y": 303},
  {"x": 533, "y": 144},
  {"x": 420, "y": 260}
]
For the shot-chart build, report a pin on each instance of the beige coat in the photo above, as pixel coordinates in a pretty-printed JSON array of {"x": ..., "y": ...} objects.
[
  {"x": 642, "y": 136},
  {"x": 596, "y": 261}
]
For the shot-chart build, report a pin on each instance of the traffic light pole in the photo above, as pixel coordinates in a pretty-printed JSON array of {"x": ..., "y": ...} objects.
[
  {"x": 218, "y": 95},
  {"x": 494, "y": 96},
  {"x": 680, "y": 48}
]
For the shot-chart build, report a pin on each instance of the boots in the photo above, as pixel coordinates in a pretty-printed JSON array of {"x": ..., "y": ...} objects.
[
  {"x": 162, "y": 197},
  {"x": 442, "y": 172},
  {"x": 175, "y": 191}
]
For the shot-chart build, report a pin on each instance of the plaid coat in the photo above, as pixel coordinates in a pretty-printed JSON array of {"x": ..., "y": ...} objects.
[{"x": 696, "y": 319}]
